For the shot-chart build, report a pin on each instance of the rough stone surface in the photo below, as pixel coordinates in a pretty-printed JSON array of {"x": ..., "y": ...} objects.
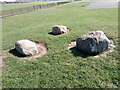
[
  {"x": 57, "y": 29},
  {"x": 26, "y": 47},
  {"x": 92, "y": 43}
]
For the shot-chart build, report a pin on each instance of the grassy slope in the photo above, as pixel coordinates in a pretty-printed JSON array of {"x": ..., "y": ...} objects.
[
  {"x": 20, "y": 5},
  {"x": 60, "y": 67}
]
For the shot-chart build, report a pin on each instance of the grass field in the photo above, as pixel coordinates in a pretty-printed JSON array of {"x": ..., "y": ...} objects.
[
  {"x": 60, "y": 68},
  {"x": 20, "y": 5}
]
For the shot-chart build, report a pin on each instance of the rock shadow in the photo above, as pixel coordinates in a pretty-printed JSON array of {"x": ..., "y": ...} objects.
[
  {"x": 15, "y": 53},
  {"x": 51, "y": 33},
  {"x": 80, "y": 53}
]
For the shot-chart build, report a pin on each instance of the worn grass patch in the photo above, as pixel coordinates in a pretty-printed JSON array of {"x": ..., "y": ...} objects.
[{"x": 59, "y": 67}]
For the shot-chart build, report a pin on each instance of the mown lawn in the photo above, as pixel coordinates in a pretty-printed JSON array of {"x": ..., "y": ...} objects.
[
  {"x": 21, "y": 5},
  {"x": 60, "y": 68}
]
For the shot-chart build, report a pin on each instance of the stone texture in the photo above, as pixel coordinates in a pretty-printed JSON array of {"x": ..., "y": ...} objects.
[
  {"x": 92, "y": 43},
  {"x": 57, "y": 29},
  {"x": 26, "y": 47}
]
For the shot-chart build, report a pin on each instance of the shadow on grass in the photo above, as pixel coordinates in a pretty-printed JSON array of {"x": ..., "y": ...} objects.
[
  {"x": 80, "y": 53},
  {"x": 15, "y": 53},
  {"x": 51, "y": 33}
]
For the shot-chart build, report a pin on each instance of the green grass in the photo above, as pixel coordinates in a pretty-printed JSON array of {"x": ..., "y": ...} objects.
[
  {"x": 0, "y": 36},
  {"x": 21, "y": 5},
  {"x": 60, "y": 68}
]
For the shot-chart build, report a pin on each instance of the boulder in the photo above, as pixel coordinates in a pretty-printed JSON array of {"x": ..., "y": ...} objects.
[
  {"x": 93, "y": 43},
  {"x": 57, "y": 29},
  {"x": 26, "y": 47}
]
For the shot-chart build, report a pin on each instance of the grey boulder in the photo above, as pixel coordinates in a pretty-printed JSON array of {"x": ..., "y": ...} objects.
[
  {"x": 26, "y": 47},
  {"x": 57, "y": 29},
  {"x": 93, "y": 43}
]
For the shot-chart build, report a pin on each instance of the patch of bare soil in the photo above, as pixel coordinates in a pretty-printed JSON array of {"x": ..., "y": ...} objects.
[
  {"x": 72, "y": 47},
  {"x": 42, "y": 48}
]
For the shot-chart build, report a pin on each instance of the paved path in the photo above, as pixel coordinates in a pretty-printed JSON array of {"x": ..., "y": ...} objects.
[{"x": 96, "y": 5}]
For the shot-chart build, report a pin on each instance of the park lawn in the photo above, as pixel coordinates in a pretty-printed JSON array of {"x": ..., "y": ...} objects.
[
  {"x": 60, "y": 68},
  {"x": 21, "y": 5}
]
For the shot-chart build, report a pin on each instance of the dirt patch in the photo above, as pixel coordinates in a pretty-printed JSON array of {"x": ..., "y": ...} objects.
[
  {"x": 42, "y": 48},
  {"x": 72, "y": 47}
]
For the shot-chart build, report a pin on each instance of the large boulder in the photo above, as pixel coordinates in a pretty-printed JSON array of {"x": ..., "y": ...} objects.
[
  {"x": 26, "y": 47},
  {"x": 93, "y": 43},
  {"x": 57, "y": 29}
]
